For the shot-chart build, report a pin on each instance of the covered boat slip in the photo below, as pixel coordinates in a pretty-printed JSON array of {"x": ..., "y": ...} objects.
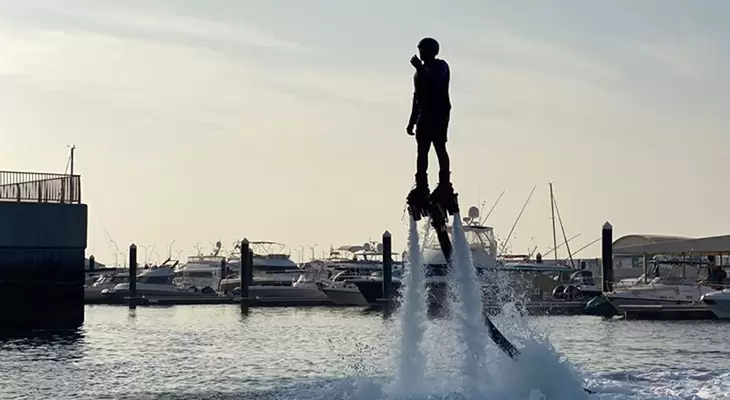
[
  {"x": 704, "y": 256},
  {"x": 684, "y": 250},
  {"x": 633, "y": 245}
]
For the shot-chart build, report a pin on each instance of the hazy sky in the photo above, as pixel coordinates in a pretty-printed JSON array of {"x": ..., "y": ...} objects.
[{"x": 285, "y": 120}]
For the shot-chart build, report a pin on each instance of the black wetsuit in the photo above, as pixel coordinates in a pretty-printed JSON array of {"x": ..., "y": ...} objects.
[{"x": 431, "y": 113}]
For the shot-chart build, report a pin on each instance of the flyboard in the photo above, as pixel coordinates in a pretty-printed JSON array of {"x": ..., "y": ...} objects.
[{"x": 439, "y": 205}]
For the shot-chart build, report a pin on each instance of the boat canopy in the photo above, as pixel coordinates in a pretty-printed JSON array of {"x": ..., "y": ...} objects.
[{"x": 679, "y": 246}]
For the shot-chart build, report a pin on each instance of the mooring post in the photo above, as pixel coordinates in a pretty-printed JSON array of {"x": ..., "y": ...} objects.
[
  {"x": 132, "y": 276},
  {"x": 223, "y": 274},
  {"x": 245, "y": 267},
  {"x": 607, "y": 257},
  {"x": 387, "y": 271},
  {"x": 92, "y": 263}
]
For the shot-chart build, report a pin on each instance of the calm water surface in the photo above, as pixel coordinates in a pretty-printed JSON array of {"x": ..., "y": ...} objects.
[{"x": 215, "y": 352}]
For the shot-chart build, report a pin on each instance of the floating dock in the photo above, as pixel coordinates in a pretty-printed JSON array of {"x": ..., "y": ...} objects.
[
  {"x": 208, "y": 300},
  {"x": 679, "y": 312}
]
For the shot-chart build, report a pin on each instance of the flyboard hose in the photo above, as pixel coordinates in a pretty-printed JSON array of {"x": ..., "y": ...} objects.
[
  {"x": 437, "y": 206},
  {"x": 494, "y": 333},
  {"x": 500, "y": 340}
]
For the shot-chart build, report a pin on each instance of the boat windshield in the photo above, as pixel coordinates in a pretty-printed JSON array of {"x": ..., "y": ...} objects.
[{"x": 671, "y": 274}]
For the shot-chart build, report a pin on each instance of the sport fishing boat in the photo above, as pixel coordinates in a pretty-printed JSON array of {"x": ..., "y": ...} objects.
[{"x": 481, "y": 242}]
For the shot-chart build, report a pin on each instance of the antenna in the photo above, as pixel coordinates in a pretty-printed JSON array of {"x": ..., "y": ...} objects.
[
  {"x": 482, "y": 222},
  {"x": 504, "y": 245}
]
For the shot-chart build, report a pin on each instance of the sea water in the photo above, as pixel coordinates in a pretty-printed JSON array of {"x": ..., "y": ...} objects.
[{"x": 213, "y": 352}]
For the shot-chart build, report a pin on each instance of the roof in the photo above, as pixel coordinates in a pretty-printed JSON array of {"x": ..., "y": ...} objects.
[
  {"x": 633, "y": 245},
  {"x": 640, "y": 240}
]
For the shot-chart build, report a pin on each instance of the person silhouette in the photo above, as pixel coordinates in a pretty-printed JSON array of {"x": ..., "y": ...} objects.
[{"x": 430, "y": 115}]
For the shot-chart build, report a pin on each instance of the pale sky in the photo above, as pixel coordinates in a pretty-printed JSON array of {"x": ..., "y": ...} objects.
[{"x": 285, "y": 120}]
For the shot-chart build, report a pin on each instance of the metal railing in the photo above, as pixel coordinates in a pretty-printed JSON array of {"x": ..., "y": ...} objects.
[{"x": 40, "y": 187}]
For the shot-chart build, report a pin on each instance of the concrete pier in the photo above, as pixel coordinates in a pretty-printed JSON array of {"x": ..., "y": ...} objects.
[{"x": 43, "y": 239}]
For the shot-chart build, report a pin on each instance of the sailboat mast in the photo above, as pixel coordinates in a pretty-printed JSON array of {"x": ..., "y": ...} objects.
[{"x": 552, "y": 211}]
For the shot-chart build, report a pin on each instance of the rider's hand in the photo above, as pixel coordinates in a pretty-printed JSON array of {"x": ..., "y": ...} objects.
[
  {"x": 409, "y": 129},
  {"x": 416, "y": 62}
]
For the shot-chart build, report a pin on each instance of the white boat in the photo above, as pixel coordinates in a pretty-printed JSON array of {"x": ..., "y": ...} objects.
[
  {"x": 481, "y": 242},
  {"x": 269, "y": 261},
  {"x": 354, "y": 263},
  {"x": 305, "y": 287},
  {"x": 156, "y": 282},
  {"x": 585, "y": 282},
  {"x": 203, "y": 265},
  {"x": 674, "y": 286},
  {"x": 106, "y": 281},
  {"x": 718, "y": 302}
]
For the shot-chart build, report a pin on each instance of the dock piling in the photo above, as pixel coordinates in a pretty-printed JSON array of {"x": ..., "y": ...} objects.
[
  {"x": 607, "y": 257},
  {"x": 246, "y": 271},
  {"x": 132, "y": 276},
  {"x": 92, "y": 263},
  {"x": 387, "y": 272}
]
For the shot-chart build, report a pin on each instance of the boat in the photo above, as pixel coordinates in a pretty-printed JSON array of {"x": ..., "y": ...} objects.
[
  {"x": 158, "y": 282},
  {"x": 481, "y": 242},
  {"x": 341, "y": 291},
  {"x": 305, "y": 287},
  {"x": 203, "y": 265},
  {"x": 664, "y": 288},
  {"x": 718, "y": 302},
  {"x": 503, "y": 278},
  {"x": 271, "y": 265},
  {"x": 105, "y": 281},
  {"x": 353, "y": 263}
]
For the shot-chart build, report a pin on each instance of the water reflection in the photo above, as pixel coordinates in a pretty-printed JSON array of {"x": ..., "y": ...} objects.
[
  {"x": 43, "y": 345},
  {"x": 42, "y": 337}
]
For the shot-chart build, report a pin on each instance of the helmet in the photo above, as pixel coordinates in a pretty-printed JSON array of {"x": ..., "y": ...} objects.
[{"x": 430, "y": 45}]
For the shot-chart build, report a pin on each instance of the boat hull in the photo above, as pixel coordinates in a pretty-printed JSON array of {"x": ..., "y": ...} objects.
[
  {"x": 619, "y": 301},
  {"x": 345, "y": 296},
  {"x": 286, "y": 292},
  {"x": 720, "y": 309},
  {"x": 718, "y": 303},
  {"x": 372, "y": 292}
]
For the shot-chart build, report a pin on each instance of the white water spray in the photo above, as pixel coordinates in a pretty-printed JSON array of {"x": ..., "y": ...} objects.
[
  {"x": 468, "y": 308},
  {"x": 413, "y": 316}
]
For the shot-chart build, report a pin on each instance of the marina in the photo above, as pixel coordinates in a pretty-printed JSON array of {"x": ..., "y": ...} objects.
[{"x": 306, "y": 201}]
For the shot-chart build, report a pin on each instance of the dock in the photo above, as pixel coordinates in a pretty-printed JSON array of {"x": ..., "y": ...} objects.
[
  {"x": 543, "y": 308},
  {"x": 213, "y": 300},
  {"x": 679, "y": 312},
  {"x": 533, "y": 308}
]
